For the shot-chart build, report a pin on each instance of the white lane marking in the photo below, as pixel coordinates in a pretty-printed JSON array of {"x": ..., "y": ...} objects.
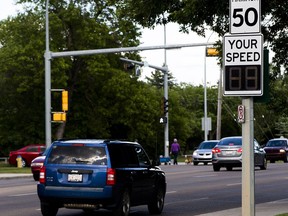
[
  {"x": 204, "y": 176},
  {"x": 171, "y": 192},
  {"x": 26, "y": 194},
  {"x": 234, "y": 184}
]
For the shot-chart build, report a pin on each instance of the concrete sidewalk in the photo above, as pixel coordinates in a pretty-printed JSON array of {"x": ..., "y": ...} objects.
[
  {"x": 15, "y": 175},
  {"x": 263, "y": 209}
]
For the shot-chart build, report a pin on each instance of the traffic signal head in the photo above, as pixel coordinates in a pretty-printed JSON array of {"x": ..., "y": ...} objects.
[
  {"x": 65, "y": 100},
  {"x": 59, "y": 116},
  {"x": 165, "y": 105},
  {"x": 211, "y": 52},
  {"x": 128, "y": 66}
]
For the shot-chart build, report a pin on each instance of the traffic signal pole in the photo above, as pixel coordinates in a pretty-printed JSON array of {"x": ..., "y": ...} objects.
[
  {"x": 47, "y": 82},
  {"x": 166, "y": 124},
  {"x": 50, "y": 55},
  {"x": 166, "y": 101}
]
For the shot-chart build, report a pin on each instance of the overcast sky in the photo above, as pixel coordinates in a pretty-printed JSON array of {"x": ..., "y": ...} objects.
[{"x": 186, "y": 64}]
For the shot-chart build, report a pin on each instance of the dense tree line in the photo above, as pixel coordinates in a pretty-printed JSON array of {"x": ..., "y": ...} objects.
[{"x": 105, "y": 100}]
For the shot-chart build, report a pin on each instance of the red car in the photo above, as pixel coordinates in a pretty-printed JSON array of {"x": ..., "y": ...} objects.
[{"x": 27, "y": 153}]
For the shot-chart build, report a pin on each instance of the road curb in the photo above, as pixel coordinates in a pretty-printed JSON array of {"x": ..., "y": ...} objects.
[{"x": 12, "y": 176}]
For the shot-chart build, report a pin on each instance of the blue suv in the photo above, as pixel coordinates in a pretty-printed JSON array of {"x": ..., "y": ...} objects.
[{"x": 93, "y": 174}]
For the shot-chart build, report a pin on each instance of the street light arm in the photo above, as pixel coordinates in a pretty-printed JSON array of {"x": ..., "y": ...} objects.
[{"x": 163, "y": 69}]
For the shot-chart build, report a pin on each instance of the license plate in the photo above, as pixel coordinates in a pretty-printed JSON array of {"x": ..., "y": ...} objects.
[
  {"x": 75, "y": 178},
  {"x": 229, "y": 152}
]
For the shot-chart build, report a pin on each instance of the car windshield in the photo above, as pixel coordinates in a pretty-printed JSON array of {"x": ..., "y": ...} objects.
[
  {"x": 78, "y": 155},
  {"x": 207, "y": 145},
  {"x": 230, "y": 142},
  {"x": 276, "y": 143}
]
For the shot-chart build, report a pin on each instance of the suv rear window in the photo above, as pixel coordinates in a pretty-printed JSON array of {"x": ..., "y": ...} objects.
[{"x": 78, "y": 155}]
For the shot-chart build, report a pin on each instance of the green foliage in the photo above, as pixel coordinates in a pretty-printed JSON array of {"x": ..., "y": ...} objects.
[
  {"x": 201, "y": 15},
  {"x": 105, "y": 101},
  {"x": 157, "y": 79}
]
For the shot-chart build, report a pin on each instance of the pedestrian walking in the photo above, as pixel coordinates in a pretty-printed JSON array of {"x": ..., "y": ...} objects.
[{"x": 175, "y": 149}]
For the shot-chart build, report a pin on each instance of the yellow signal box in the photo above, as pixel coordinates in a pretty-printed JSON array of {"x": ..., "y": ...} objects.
[
  {"x": 211, "y": 52},
  {"x": 59, "y": 116},
  {"x": 65, "y": 100}
]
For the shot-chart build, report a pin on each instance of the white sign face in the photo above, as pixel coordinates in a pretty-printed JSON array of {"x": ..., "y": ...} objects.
[
  {"x": 245, "y": 16},
  {"x": 243, "y": 50},
  {"x": 242, "y": 56}
]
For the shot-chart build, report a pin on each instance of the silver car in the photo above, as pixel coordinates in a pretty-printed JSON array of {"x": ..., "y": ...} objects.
[
  {"x": 228, "y": 153},
  {"x": 204, "y": 152}
]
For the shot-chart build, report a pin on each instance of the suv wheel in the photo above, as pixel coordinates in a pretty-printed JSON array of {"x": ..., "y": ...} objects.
[
  {"x": 123, "y": 207},
  {"x": 264, "y": 165},
  {"x": 157, "y": 203},
  {"x": 48, "y": 209},
  {"x": 286, "y": 158}
]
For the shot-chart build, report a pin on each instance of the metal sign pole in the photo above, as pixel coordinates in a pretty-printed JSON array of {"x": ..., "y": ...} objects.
[
  {"x": 248, "y": 175},
  {"x": 47, "y": 83}
]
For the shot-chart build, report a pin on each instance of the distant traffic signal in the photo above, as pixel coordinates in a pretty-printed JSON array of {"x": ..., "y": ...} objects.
[
  {"x": 65, "y": 100},
  {"x": 211, "y": 51},
  {"x": 165, "y": 105}
]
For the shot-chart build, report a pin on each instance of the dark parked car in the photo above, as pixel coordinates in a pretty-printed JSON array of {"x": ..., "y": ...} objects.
[
  {"x": 27, "y": 153},
  {"x": 36, "y": 165},
  {"x": 228, "y": 153},
  {"x": 204, "y": 152},
  {"x": 92, "y": 174},
  {"x": 277, "y": 149}
]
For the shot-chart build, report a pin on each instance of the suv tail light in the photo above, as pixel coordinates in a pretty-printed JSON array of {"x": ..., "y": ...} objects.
[
  {"x": 239, "y": 150},
  {"x": 216, "y": 150},
  {"x": 42, "y": 175},
  {"x": 111, "y": 176}
]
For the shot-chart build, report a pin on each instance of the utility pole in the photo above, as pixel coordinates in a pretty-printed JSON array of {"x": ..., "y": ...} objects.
[
  {"x": 47, "y": 83},
  {"x": 166, "y": 124},
  {"x": 165, "y": 72},
  {"x": 219, "y": 107}
]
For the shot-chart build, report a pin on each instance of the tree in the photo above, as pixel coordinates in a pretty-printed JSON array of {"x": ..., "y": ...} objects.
[
  {"x": 157, "y": 79},
  {"x": 21, "y": 78},
  {"x": 106, "y": 101},
  {"x": 76, "y": 25},
  {"x": 200, "y": 15}
]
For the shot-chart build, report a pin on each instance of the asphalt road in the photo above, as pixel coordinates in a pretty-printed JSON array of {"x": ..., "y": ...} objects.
[{"x": 192, "y": 190}]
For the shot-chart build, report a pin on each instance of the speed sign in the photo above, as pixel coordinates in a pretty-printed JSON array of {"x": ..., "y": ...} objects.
[{"x": 245, "y": 16}]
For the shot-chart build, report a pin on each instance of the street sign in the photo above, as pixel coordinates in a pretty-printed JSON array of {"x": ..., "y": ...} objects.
[
  {"x": 243, "y": 76},
  {"x": 241, "y": 114},
  {"x": 245, "y": 16},
  {"x": 208, "y": 123},
  {"x": 243, "y": 49},
  {"x": 243, "y": 65},
  {"x": 163, "y": 120}
]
